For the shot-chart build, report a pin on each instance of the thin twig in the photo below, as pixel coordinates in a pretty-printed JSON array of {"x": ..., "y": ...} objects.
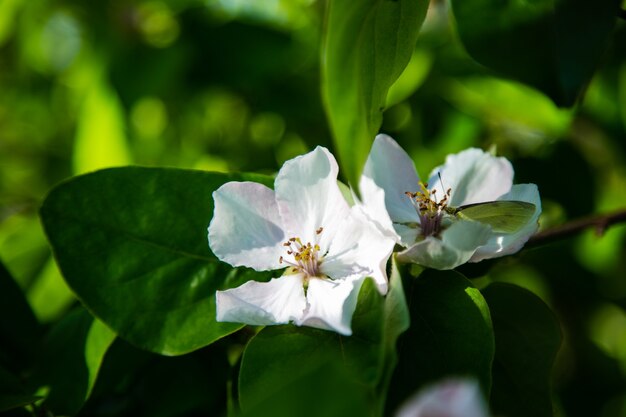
[{"x": 599, "y": 222}]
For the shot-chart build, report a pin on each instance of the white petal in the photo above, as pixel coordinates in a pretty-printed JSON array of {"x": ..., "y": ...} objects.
[
  {"x": 475, "y": 176},
  {"x": 278, "y": 301},
  {"x": 359, "y": 249},
  {"x": 375, "y": 209},
  {"x": 452, "y": 398},
  {"x": 391, "y": 169},
  {"x": 331, "y": 304},
  {"x": 309, "y": 198},
  {"x": 501, "y": 244},
  {"x": 246, "y": 229},
  {"x": 456, "y": 246},
  {"x": 408, "y": 234}
]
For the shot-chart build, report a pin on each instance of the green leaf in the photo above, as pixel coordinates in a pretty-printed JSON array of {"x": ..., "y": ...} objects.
[
  {"x": 160, "y": 386},
  {"x": 450, "y": 335},
  {"x": 504, "y": 100},
  {"x": 49, "y": 295},
  {"x": 71, "y": 359},
  {"x": 12, "y": 393},
  {"x": 100, "y": 134},
  {"x": 396, "y": 321},
  {"x": 528, "y": 337},
  {"x": 552, "y": 45},
  {"x": 311, "y": 372},
  {"x": 132, "y": 245},
  {"x": 20, "y": 333},
  {"x": 367, "y": 45},
  {"x": 411, "y": 78}
]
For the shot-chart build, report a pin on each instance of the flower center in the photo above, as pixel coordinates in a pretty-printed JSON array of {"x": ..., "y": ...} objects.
[
  {"x": 306, "y": 257},
  {"x": 429, "y": 209}
]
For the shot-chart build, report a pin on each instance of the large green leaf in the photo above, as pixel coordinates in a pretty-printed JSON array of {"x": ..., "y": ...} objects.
[
  {"x": 528, "y": 337},
  {"x": 450, "y": 335},
  {"x": 70, "y": 362},
  {"x": 552, "y": 45},
  {"x": 311, "y": 372},
  {"x": 367, "y": 45},
  {"x": 131, "y": 243}
]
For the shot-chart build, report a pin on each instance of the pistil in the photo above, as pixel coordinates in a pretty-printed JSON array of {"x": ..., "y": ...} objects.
[
  {"x": 306, "y": 256},
  {"x": 429, "y": 209}
]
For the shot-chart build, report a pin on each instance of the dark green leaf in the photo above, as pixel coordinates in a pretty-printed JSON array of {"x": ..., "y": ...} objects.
[
  {"x": 450, "y": 335},
  {"x": 311, "y": 372},
  {"x": 551, "y": 45},
  {"x": 528, "y": 337},
  {"x": 367, "y": 45},
  {"x": 73, "y": 352},
  {"x": 135, "y": 382},
  {"x": 20, "y": 333},
  {"x": 132, "y": 244},
  {"x": 12, "y": 393}
]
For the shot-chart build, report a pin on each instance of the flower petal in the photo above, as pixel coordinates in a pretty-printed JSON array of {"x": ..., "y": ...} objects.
[
  {"x": 375, "y": 209},
  {"x": 501, "y": 244},
  {"x": 451, "y": 398},
  {"x": 309, "y": 198},
  {"x": 390, "y": 168},
  {"x": 278, "y": 301},
  {"x": 246, "y": 229},
  {"x": 408, "y": 234},
  {"x": 331, "y": 304},
  {"x": 359, "y": 249},
  {"x": 456, "y": 246},
  {"x": 475, "y": 176}
]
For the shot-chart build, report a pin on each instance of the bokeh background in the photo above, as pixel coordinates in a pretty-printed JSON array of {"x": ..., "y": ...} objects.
[{"x": 234, "y": 85}]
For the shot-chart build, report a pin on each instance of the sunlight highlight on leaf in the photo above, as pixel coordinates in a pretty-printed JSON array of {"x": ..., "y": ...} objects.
[
  {"x": 100, "y": 136},
  {"x": 367, "y": 45}
]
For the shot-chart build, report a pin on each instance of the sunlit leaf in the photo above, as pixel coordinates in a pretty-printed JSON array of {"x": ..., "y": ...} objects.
[
  {"x": 100, "y": 136},
  {"x": 367, "y": 46},
  {"x": 8, "y": 11},
  {"x": 552, "y": 45},
  {"x": 132, "y": 245},
  {"x": 49, "y": 296},
  {"x": 411, "y": 78},
  {"x": 450, "y": 335},
  {"x": 349, "y": 374},
  {"x": 511, "y": 106},
  {"x": 528, "y": 337},
  {"x": 71, "y": 359}
]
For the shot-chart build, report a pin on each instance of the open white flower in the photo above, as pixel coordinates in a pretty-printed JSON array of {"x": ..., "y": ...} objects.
[
  {"x": 306, "y": 226},
  {"x": 425, "y": 219},
  {"x": 451, "y": 398}
]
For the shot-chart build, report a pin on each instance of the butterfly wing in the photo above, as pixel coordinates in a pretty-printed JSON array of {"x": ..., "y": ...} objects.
[{"x": 502, "y": 216}]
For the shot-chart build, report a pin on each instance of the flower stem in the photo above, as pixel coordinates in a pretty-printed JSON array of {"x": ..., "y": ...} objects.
[{"x": 599, "y": 222}]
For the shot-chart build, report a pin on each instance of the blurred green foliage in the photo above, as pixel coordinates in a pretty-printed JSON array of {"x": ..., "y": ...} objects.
[{"x": 234, "y": 85}]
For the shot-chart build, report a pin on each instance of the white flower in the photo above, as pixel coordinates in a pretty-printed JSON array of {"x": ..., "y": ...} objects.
[
  {"x": 451, "y": 398},
  {"x": 306, "y": 226},
  {"x": 423, "y": 220}
]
